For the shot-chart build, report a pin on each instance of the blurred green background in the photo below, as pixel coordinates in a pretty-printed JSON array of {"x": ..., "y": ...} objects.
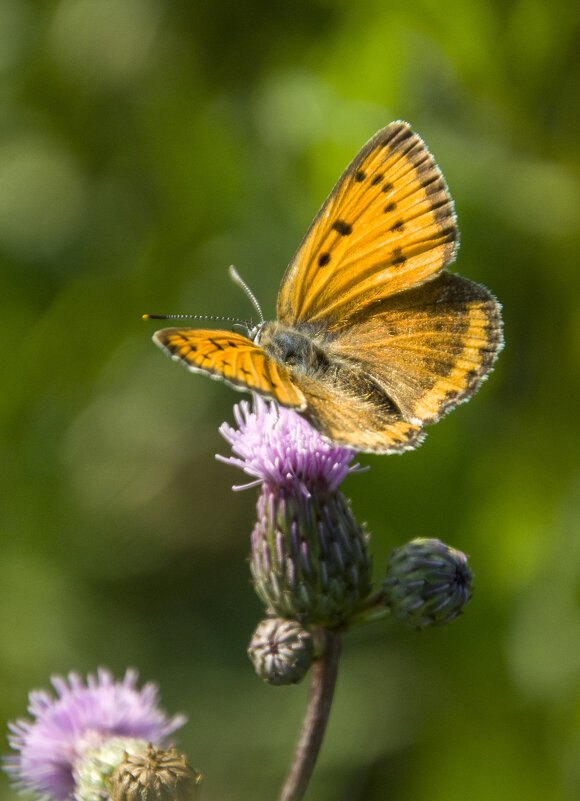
[{"x": 145, "y": 145}]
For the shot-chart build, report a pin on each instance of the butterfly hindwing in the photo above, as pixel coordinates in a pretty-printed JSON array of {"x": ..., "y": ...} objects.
[
  {"x": 402, "y": 364},
  {"x": 388, "y": 224},
  {"x": 232, "y": 358},
  {"x": 352, "y": 411},
  {"x": 429, "y": 348}
]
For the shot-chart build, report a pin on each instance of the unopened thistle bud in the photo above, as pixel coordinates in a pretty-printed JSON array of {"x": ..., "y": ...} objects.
[
  {"x": 427, "y": 583},
  {"x": 281, "y": 651},
  {"x": 155, "y": 774},
  {"x": 309, "y": 556}
]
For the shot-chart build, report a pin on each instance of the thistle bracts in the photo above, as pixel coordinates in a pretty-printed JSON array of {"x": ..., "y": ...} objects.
[
  {"x": 427, "y": 583},
  {"x": 155, "y": 774},
  {"x": 309, "y": 560}
]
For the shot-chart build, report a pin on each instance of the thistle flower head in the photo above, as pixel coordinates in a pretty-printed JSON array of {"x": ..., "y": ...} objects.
[
  {"x": 81, "y": 717},
  {"x": 276, "y": 446},
  {"x": 309, "y": 556}
]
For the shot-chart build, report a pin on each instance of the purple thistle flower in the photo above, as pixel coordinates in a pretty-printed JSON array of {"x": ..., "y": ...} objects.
[
  {"x": 81, "y": 717},
  {"x": 309, "y": 556},
  {"x": 279, "y": 447}
]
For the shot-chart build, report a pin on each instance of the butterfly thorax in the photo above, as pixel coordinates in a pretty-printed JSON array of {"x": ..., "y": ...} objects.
[{"x": 291, "y": 347}]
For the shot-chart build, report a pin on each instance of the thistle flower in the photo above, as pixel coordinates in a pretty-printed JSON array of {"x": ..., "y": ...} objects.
[
  {"x": 280, "y": 448},
  {"x": 427, "y": 583},
  {"x": 309, "y": 556},
  {"x": 80, "y": 719}
]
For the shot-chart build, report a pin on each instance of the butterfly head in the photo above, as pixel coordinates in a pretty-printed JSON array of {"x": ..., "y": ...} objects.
[{"x": 251, "y": 330}]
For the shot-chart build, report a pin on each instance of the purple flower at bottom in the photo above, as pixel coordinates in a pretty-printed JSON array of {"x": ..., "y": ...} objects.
[
  {"x": 81, "y": 717},
  {"x": 277, "y": 446}
]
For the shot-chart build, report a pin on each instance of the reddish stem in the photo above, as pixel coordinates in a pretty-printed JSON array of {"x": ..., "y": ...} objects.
[{"x": 324, "y": 672}]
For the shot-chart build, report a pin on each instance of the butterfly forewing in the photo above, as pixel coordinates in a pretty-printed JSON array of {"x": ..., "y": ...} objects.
[
  {"x": 233, "y": 358},
  {"x": 387, "y": 225}
]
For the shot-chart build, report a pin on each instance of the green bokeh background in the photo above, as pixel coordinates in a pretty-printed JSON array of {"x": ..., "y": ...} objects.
[{"x": 144, "y": 146}]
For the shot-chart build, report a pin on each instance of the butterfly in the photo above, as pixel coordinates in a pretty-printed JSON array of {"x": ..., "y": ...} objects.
[{"x": 374, "y": 338}]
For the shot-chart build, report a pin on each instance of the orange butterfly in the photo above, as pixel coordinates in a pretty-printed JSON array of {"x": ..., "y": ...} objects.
[{"x": 374, "y": 338}]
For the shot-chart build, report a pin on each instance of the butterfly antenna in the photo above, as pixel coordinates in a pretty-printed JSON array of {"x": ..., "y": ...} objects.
[
  {"x": 234, "y": 320},
  {"x": 237, "y": 279}
]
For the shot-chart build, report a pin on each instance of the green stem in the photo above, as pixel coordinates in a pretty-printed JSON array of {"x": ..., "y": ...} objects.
[
  {"x": 324, "y": 672},
  {"x": 374, "y": 609}
]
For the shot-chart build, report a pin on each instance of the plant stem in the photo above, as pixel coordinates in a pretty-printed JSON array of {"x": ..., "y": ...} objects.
[
  {"x": 374, "y": 609},
  {"x": 324, "y": 672}
]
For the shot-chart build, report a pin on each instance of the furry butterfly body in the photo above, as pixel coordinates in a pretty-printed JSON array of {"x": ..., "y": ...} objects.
[{"x": 374, "y": 338}]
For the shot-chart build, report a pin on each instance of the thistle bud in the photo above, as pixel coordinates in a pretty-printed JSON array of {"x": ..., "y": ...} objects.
[
  {"x": 155, "y": 774},
  {"x": 309, "y": 556},
  {"x": 427, "y": 583},
  {"x": 281, "y": 651}
]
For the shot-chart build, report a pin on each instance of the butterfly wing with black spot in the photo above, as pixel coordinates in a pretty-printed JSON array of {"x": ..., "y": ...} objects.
[
  {"x": 388, "y": 224},
  {"x": 232, "y": 358}
]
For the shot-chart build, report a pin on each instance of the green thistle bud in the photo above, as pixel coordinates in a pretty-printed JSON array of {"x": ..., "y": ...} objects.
[
  {"x": 309, "y": 556},
  {"x": 427, "y": 583},
  {"x": 155, "y": 774},
  {"x": 281, "y": 650},
  {"x": 93, "y": 770}
]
